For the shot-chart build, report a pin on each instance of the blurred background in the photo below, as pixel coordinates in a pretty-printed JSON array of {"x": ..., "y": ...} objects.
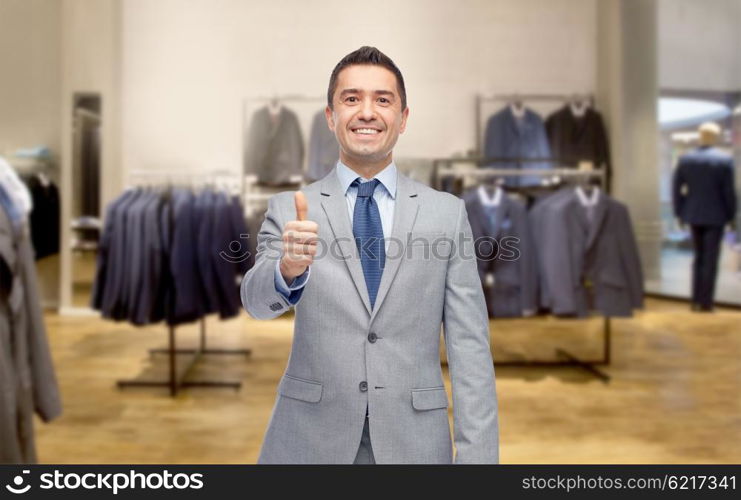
[{"x": 104, "y": 101}]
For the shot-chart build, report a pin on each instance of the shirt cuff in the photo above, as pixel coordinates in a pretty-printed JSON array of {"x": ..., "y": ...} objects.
[{"x": 293, "y": 292}]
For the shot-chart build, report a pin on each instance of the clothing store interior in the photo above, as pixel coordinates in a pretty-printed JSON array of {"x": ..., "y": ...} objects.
[{"x": 140, "y": 142}]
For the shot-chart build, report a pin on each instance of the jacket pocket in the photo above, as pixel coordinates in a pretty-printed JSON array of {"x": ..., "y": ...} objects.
[
  {"x": 612, "y": 278},
  {"x": 429, "y": 399},
  {"x": 303, "y": 390}
]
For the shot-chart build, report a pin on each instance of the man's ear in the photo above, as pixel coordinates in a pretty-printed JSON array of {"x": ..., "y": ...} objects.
[
  {"x": 404, "y": 116},
  {"x": 330, "y": 118}
]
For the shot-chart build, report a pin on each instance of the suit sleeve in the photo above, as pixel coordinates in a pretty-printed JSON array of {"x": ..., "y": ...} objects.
[
  {"x": 603, "y": 153},
  {"x": 631, "y": 259},
  {"x": 46, "y": 397},
  {"x": 260, "y": 297},
  {"x": 559, "y": 271},
  {"x": 528, "y": 265},
  {"x": 729, "y": 193},
  {"x": 466, "y": 331}
]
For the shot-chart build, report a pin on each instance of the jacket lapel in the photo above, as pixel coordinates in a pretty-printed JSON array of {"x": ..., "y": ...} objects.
[
  {"x": 405, "y": 214},
  {"x": 600, "y": 210},
  {"x": 512, "y": 125},
  {"x": 335, "y": 208}
]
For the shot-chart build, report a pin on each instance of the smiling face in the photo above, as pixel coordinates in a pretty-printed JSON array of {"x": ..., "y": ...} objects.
[{"x": 367, "y": 117}]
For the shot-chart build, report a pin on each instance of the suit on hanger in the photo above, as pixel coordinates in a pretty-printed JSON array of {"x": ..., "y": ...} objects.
[
  {"x": 507, "y": 136},
  {"x": 704, "y": 196},
  {"x": 574, "y": 139},
  {"x": 274, "y": 147},
  {"x": 588, "y": 263},
  {"x": 348, "y": 357},
  {"x": 505, "y": 250},
  {"x": 225, "y": 270}
]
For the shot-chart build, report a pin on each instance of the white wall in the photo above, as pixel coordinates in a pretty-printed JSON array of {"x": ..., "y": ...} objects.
[
  {"x": 30, "y": 62},
  {"x": 699, "y": 44},
  {"x": 187, "y": 66},
  {"x": 30, "y": 104}
]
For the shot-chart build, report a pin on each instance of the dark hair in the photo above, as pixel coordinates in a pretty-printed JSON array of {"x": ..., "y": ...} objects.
[{"x": 367, "y": 55}]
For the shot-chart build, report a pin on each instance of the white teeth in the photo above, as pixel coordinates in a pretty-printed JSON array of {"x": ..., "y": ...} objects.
[{"x": 366, "y": 131}]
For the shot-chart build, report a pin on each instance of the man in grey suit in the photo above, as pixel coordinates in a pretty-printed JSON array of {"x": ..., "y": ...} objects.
[{"x": 374, "y": 263}]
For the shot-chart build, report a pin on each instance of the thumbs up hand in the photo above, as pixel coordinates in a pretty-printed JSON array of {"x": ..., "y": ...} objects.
[{"x": 299, "y": 241}]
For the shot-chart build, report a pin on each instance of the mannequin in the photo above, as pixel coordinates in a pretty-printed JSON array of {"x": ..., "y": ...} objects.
[
  {"x": 709, "y": 134},
  {"x": 704, "y": 198}
]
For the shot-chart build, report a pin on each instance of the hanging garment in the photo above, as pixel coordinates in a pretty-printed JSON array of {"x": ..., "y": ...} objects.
[
  {"x": 505, "y": 253},
  {"x": 44, "y": 216},
  {"x": 274, "y": 147},
  {"x": 324, "y": 151},
  {"x": 508, "y": 136},
  {"x": 28, "y": 382},
  {"x": 166, "y": 254},
  {"x": 587, "y": 255},
  {"x": 579, "y": 138}
]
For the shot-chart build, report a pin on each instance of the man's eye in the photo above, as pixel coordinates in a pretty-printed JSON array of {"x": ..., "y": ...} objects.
[
  {"x": 351, "y": 99},
  {"x": 384, "y": 100}
]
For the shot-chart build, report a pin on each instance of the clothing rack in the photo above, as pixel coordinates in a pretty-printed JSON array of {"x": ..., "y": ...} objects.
[
  {"x": 176, "y": 381},
  {"x": 517, "y": 97},
  {"x": 568, "y": 359},
  {"x": 286, "y": 97}
]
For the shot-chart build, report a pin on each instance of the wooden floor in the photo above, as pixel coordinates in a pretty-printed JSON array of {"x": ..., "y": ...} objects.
[{"x": 675, "y": 395}]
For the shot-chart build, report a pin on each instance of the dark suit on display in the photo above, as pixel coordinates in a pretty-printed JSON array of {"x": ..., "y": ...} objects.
[
  {"x": 225, "y": 270},
  {"x": 504, "y": 250},
  {"x": 104, "y": 268},
  {"x": 704, "y": 197},
  {"x": 187, "y": 302},
  {"x": 574, "y": 139}
]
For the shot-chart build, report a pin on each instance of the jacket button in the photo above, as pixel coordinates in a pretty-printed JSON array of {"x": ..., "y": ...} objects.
[
  {"x": 363, "y": 386},
  {"x": 372, "y": 337}
]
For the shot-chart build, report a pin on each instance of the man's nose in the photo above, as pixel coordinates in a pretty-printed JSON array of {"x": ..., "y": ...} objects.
[{"x": 367, "y": 111}]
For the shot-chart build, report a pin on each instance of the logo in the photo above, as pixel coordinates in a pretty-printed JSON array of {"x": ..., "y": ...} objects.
[{"x": 19, "y": 489}]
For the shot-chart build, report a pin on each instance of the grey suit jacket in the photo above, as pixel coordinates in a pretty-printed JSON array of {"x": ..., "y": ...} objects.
[
  {"x": 574, "y": 254},
  {"x": 27, "y": 380},
  {"x": 346, "y": 357}
]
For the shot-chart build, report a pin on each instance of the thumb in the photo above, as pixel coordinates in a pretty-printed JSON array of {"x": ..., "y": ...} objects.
[{"x": 302, "y": 208}]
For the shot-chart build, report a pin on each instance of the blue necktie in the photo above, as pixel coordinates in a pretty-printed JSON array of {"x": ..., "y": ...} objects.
[{"x": 368, "y": 232}]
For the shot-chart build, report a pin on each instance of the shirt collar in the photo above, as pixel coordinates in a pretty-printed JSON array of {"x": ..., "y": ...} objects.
[
  {"x": 492, "y": 201},
  {"x": 387, "y": 177},
  {"x": 587, "y": 200}
]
